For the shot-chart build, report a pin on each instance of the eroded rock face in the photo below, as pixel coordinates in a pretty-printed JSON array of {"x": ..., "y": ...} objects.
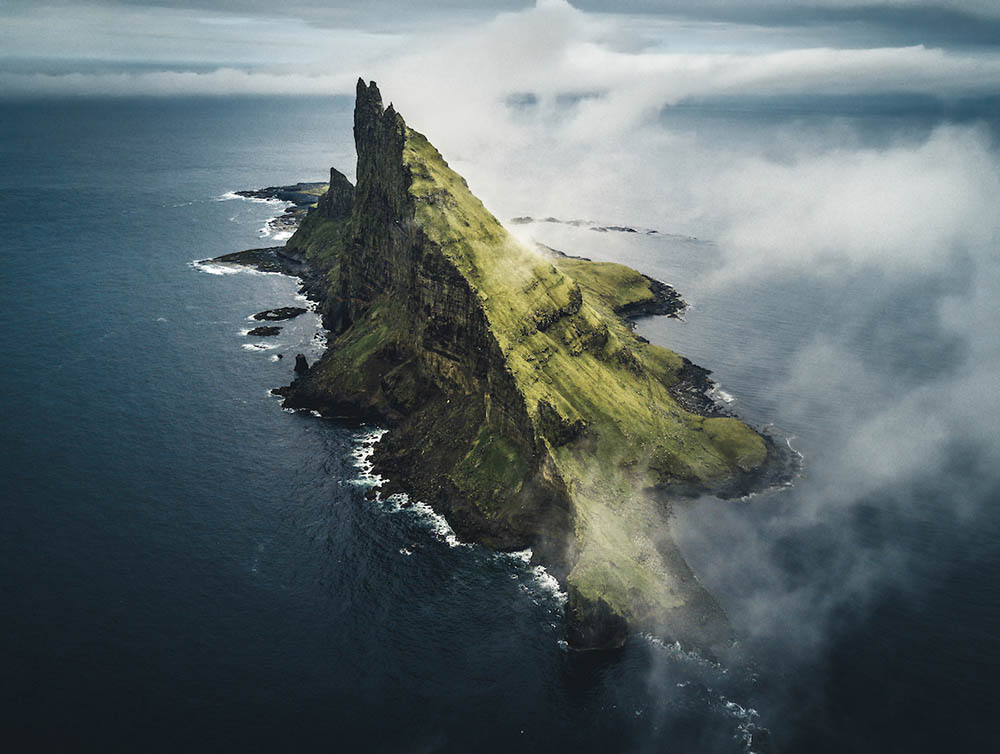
[
  {"x": 523, "y": 407},
  {"x": 435, "y": 370},
  {"x": 338, "y": 201},
  {"x": 593, "y": 624}
]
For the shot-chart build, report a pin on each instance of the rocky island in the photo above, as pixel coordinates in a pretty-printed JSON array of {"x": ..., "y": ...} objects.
[{"x": 522, "y": 406}]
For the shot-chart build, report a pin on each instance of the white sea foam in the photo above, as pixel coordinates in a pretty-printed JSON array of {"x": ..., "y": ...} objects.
[
  {"x": 364, "y": 449},
  {"x": 548, "y": 584},
  {"x": 788, "y": 442},
  {"x": 275, "y": 357},
  {"x": 676, "y": 651},
  {"x": 213, "y": 268},
  {"x": 539, "y": 584},
  {"x": 230, "y": 195},
  {"x": 747, "y": 718},
  {"x": 717, "y": 393},
  {"x": 523, "y": 555},
  {"x": 258, "y": 347},
  {"x": 747, "y": 721},
  {"x": 222, "y": 268},
  {"x": 438, "y": 524}
]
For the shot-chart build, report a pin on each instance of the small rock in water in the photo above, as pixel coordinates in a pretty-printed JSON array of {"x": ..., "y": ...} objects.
[
  {"x": 301, "y": 365},
  {"x": 285, "y": 312},
  {"x": 265, "y": 331}
]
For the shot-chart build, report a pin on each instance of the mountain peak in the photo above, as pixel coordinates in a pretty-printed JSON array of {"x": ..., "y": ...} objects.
[{"x": 523, "y": 406}]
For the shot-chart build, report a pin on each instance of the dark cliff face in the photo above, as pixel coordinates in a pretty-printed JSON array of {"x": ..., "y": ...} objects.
[
  {"x": 415, "y": 350},
  {"x": 338, "y": 201}
]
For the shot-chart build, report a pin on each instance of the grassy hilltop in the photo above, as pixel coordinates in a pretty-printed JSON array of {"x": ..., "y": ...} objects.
[{"x": 523, "y": 405}]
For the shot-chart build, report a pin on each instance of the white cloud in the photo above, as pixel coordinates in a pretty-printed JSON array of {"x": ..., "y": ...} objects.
[
  {"x": 550, "y": 49},
  {"x": 222, "y": 81},
  {"x": 902, "y": 208}
]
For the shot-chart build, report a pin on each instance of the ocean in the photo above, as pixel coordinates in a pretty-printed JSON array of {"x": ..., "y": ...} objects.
[{"x": 186, "y": 566}]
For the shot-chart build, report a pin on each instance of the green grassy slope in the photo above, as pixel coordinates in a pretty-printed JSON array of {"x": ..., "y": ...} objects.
[{"x": 567, "y": 349}]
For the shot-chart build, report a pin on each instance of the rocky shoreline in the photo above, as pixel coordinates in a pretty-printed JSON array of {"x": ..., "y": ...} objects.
[
  {"x": 524, "y": 407},
  {"x": 693, "y": 391},
  {"x": 301, "y": 196}
]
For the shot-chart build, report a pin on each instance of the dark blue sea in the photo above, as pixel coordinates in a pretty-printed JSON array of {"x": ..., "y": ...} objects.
[{"x": 184, "y": 566}]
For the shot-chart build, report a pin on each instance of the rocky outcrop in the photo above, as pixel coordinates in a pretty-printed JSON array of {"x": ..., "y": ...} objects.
[
  {"x": 522, "y": 405},
  {"x": 279, "y": 314}
]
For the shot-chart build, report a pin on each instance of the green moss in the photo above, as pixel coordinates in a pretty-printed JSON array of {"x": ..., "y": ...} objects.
[
  {"x": 362, "y": 356},
  {"x": 492, "y": 470},
  {"x": 321, "y": 239},
  {"x": 741, "y": 448},
  {"x": 570, "y": 353},
  {"x": 315, "y": 190},
  {"x": 616, "y": 285}
]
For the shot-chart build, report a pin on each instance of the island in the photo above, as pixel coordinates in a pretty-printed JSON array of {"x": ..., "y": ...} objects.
[{"x": 521, "y": 404}]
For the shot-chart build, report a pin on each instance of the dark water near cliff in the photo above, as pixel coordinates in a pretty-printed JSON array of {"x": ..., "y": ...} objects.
[{"x": 186, "y": 566}]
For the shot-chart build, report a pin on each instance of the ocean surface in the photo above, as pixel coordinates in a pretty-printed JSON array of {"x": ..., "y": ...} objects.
[{"x": 184, "y": 566}]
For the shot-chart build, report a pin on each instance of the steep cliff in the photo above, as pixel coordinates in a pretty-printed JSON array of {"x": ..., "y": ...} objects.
[{"x": 522, "y": 405}]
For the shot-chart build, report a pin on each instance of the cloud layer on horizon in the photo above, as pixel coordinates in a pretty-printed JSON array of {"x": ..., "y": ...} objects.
[{"x": 550, "y": 49}]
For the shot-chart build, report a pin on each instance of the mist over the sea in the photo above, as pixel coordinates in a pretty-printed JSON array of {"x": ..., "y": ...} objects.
[{"x": 186, "y": 565}]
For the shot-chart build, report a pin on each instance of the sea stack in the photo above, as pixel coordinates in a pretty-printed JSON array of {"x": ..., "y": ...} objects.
[{"x": 521, "y": 404}]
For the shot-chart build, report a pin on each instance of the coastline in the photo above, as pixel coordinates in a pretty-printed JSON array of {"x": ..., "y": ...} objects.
[{"x": 391, "y": 460}]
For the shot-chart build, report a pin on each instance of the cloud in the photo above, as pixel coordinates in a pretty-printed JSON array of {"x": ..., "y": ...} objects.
[
  {"x": 222, "y": 81},
  {"x": 550, "y": 49},
  {"x": 903, "y": 208}
]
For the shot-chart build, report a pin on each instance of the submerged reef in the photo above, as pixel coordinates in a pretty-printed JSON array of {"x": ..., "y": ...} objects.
[{"x": 522, "y": 405}]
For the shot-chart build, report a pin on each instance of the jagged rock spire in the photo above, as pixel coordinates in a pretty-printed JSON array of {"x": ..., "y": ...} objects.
[
  {"x": 338, "y": 201},
  {"x": 379, "y": 135},
  {"x": 367, "y": 113}
]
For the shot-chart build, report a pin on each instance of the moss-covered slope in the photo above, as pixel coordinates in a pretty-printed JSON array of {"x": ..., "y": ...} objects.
[{"x": 523, "y": 405}]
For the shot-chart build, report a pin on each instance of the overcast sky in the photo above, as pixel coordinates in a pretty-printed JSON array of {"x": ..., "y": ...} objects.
[{"x": 685, "y": 48}]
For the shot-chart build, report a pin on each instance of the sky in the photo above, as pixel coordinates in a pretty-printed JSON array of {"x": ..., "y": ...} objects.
[{"x": 314, "y": 47}]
